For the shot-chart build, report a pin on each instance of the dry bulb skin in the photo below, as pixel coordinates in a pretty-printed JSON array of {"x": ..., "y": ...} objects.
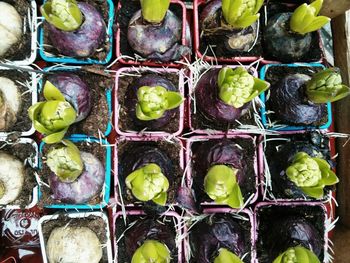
[
  {"x": 73, "y": 245},
  {"x": 11, "y": 178},
  {"x": 10, "y": 27}
]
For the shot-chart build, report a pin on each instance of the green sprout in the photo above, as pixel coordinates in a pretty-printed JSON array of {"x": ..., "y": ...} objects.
[
  {"x": 148, "y": 183},
  {"x": 62, "y": 14},
  {"x": 226, "y": 256},
  {"x": 297, "y": 254},
  {"x": 241, "y": 13},
  {"x": 221, "y": 185},
  {"x": 311, "y": 174},
  {"x": 151, "y": 251},
  {"x": 305, "y": 20},
  {"x": 65, "y": 161},
  {"x": 154, "y": 11},
  {"x": 54, "y": 116},
  {"x": 237, "y": 86},
  {"x": 154, "y": 101},
  {"x": 326, "y": 86}
]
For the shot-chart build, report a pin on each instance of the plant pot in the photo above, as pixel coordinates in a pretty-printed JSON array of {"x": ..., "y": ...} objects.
[
  {"x": 88, "y": 144},
  {"x": 198, "y": 123},
  {"x": 250, "y": 192},
  {"x": 121, "y": 218},
  {"x": 101, "y": 228},
  {"x": 25, "y": 50},
  {"x": 56, "y": 57},
  {"x": 244, "y": 217},
  {"x": 124, "y": 78},
  {"x": 101, "y": 110},
  {"x": 205, "y": 52},
  {"x": 124, "y": 52},
  {"x": 267, "y": 149},
  {"x": 315, "y": 52},
  {"x": 268, "y": 214},
  {"x": 172, "y": 149},
  {"x": 275, "y": 72},
  {"x": 26, "y": 151},
  {"x": 26, "y": 84}
]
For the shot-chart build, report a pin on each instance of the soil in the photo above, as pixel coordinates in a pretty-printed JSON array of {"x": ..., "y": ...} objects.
[
  {"x": 245, "y": 225},
  {"x": 26, "y": 153},
  {"x": 23, "y": 122},
  {"x": 94, "y": 148},
  {"x": 275, "y": 74},
  {"x": 125, "y": 122},
  {"x": 22, "y": 49},
  {"x": 170, "y": 149},
  {"x": 313, "y": 138},
  {"x": 204, "y": 45},
  {"x": 314, "y": 53},
  {"x": 96, "y": 224},
  {"x": 121, "y": 227},
  {"x": 102, "y": 51},
  {"x": 124, "y": 14},
  {"x": 99, "y": 116},
  {"x": 268, "y": 215},
  {"x": 249, "y": 187}
]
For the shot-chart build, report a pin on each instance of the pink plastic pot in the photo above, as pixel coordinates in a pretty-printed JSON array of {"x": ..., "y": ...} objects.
[
  {"x": 189, "y": 143},
  {"x": 266, "y": 195},
  {"x": 197, "y": 32},
  {"x": 190, "y": 110},
  {"x": 327, "y": 222},
  {"x": 181, "y": 231},
  {"x": 117, "y": 106},
  {"x": 116, "y": 166},
  {"x": 210, "y": 211},
  {"x": 151, "y": 63}
]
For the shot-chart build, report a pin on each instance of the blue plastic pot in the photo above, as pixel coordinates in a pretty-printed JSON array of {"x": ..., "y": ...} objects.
[
  {"x": 263, "y": 110},
  {"x": 107, "y": 184},
  {"x": 71, "y": 60},
  {"x": 108, "y": 96}
]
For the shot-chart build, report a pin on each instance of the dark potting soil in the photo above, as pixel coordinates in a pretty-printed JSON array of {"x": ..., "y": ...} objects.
[
  {"x": 22, "y": 49},
  {"x": 205, "y": 43},
  {"x": 124, "y": 14},
  {"x": 244, "y": 224},
  {"x": 94, "y": 148},
  {"x": 96, "y": 224},
  {"x": 125, "y": 122},
  {"x": 102, "y": 51},
  {"x": 20, "y": 78},
  {"x": 249, "y": 187},
  {"x": 170, "y": 149},
  {"x": 98, "y": 118},
  {"x": 314, "y": 53},
  {"x": 276, "y": 160},
  {"x": 26, "y": 153},
  {"x": 121, "y": 227},
  {"x": 269, "y": 215},
  {"x": 275, "y": 74}
]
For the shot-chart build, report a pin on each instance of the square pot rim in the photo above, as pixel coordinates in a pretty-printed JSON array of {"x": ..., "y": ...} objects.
[
  {"x": 76, "y": 215},
  {"x": 135, "y": 62},
  {"x": 200, "y": 55},
  {"x": 140, "y": 212},
  {"x": 108, "y": 93},
  {"x": 188, "y": 162},
  {"x": 107, "y": 166},
  {"x": 264, "y": 121},
  {"x": 116, "y": 165},
  {"x": 181, "y": 87},
  {"x": 81, "y": 61},
  {"x": 35, "y": 196}
]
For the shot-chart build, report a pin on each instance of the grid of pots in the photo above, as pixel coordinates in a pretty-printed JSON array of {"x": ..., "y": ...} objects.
[{"x": 99, "y": 206}]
